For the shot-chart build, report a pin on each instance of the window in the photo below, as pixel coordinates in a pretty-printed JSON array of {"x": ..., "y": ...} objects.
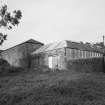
[
  {"x": 78, "y": 53},
  {"x": 82, "y": 54},
  {"x": 89, "y": 54},
  {"x": 92, "y": 54},
  {"x": 85, "y": 54}
]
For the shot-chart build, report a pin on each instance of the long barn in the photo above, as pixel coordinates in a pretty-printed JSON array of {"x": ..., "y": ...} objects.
[{"x": 56, "y": 55}]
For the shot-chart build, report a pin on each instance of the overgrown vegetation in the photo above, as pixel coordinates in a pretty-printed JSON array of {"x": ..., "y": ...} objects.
[
  {"x": 6, "y": 69},
  {"x": 53, "y": 88}
]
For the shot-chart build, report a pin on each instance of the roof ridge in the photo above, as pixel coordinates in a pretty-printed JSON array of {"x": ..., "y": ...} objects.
[{"x": 23, "y": 43}]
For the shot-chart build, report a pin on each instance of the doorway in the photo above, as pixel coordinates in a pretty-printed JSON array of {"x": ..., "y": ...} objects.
[
  {"x": 50, "y": 62},
  {"x": 53, "y": 62}
]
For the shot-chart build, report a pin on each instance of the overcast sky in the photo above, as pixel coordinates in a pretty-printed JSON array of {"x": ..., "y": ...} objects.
[{"x": 55, "y": 20}]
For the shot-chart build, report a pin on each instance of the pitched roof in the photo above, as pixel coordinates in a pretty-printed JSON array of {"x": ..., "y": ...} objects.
[
  {"x": 68, "y": 44},
  {"x": 85, "y": 47},
  {"x": 50, "y": 46},
  {"x": 32, "y": 41},
  {"x": 28, "y": 41}
]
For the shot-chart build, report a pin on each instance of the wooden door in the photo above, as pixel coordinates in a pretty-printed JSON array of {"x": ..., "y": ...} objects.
[
  {"x": 53, "y": 62},
  {"x": 50, "y": 62}
]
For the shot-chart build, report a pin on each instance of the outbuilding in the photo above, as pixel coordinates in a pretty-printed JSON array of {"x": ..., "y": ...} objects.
[
  {"x": 19, "y": 55},
  {"x": 56, "y": 55}
]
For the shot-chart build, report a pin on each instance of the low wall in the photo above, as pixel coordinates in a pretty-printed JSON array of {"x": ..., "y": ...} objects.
[{"x": 87, "y": 65}]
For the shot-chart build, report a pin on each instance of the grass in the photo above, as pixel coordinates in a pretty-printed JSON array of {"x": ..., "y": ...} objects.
[{"x": 53, "y": 88}]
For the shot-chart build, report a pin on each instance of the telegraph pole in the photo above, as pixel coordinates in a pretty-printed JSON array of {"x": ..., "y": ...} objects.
[
  {"x": 103, "y": 40},
  {"x": 104, "y": 54}
]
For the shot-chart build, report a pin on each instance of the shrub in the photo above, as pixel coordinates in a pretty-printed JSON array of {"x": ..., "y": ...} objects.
[
  {"x": 4, "y": 63},
  {"x": 3, "y": 66},
  {"x": 12, "y": 69}
]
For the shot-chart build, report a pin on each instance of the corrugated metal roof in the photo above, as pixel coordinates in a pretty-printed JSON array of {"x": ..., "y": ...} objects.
[
  {"x": 69, "y": 44},
  {"x": 50, "y": 46},
  {"x": 82, "y": 46}
]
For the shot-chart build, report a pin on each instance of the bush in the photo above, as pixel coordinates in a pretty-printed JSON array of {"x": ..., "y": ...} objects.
[
  {"x": 4, "y": 63},
  {"x": 3, "y": 66},
  {"x": 12, "y": 69}
]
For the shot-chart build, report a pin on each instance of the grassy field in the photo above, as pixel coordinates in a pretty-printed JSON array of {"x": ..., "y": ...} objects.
[{"x": 53, "y": 88}]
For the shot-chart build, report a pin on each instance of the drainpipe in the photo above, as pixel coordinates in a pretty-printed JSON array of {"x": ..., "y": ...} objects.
[
  {"x": 65, "y": 58},
  {"x": 65, "y": 50}
]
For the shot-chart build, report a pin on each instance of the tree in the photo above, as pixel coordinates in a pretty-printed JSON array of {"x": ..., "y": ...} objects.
[
  {"x": 8, "y": 20},
  {"x": 101, "y": 44}
]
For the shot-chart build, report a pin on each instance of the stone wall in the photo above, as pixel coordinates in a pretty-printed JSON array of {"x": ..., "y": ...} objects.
[
  {"x": 87, "y": 65},
  {"x": 19, "y": 56}
]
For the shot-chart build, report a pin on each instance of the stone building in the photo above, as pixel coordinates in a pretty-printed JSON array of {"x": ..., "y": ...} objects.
[
  {"x": 19, "y": 55},
  {"x": 56, "y": 55}
]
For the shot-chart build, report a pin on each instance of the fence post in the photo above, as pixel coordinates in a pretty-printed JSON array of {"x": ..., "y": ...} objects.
[{"x": 104, "y": 62}]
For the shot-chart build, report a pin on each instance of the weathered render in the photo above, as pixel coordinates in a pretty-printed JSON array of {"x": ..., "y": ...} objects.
[
  {"x": 19, "y": 55},
  {"x": 56, "y": 55}
]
